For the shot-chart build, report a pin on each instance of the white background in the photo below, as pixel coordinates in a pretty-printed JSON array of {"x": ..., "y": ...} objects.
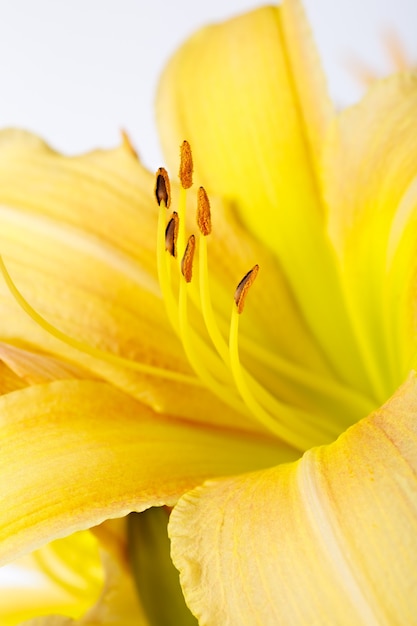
[{"x": 76, "y": 71}]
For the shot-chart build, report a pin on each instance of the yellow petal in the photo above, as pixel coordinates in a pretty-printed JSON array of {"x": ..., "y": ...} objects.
[
  {"x": 330, "y": 539},
  {"x": 371, "y": 189},
  {"x": 249, "y": 97},
  {"x": 106, "y": 193},
  {"x": 77, "y": 452}
]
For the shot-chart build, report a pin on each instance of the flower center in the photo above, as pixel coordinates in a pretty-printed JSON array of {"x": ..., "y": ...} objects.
[{"x": 316, "y": 409}]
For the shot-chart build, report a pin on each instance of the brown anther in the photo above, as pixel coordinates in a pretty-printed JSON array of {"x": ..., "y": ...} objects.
[
  {"x": 127, "y": 144},
  {"x": 187, "y": 259},
  {"x": 162, "y": 187},
  {"x": 171, "y": 234},
  {"x": 243, "y": 287},
  {"x": 203, "y": 212},
  {"x": 186, "y": 165}
]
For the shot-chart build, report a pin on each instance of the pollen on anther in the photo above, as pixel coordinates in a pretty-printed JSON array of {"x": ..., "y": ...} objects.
[
  {"x": 162, "y": 187},
  {"x": 244, "y": 286},
  {"x": 171, "y": 234},
  {"x": 203, "y": 212},
  {"x": 187, "y": 259},
  {"x": 186, "y": 165}
]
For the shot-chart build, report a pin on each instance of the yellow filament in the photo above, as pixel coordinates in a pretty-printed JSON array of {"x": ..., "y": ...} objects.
[
  {"x": 196, "y": 351},
  {"x": 196, "y": 361},
  {"x": 206, "y": 306},
  {"x": 300, "y": 440},
  {"x": 96, "y": 353},
  {"x": 213, "y": 329},
  {"x": 164, "y": 275},
  {"x": 181, "y": 215},
  {"x": 163, "y": 261}
]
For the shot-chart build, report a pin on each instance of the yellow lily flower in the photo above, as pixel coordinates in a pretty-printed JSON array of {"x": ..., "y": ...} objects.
[{"x": 285, "y": 434}]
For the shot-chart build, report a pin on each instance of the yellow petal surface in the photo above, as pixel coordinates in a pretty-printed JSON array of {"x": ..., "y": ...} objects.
[
  {"x": 74, "y": 453},
  {"x": 371, "y": 190},
  {"x": 249, "y": 97},
  {"x": 106, "y": 193},
  {"x": 330, "y": 539}
]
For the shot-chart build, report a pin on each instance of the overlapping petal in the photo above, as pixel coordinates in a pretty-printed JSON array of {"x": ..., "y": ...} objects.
[
  {"x": 371, "y": 189},
  {"x": 74, "y": 453},
  {"x": 330, "y": 539}
]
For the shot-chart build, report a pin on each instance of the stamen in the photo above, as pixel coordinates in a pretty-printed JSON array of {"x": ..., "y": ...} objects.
[
  {"x": 203, "y": 212},
  {"x": 163, "y": 188},
  {"x": 164, "y": 266},
  {"x": 187, "y": 259},
  {"x": 171, "y": 235},
  {"x": 204, "y": 224},
  {"x": 244, "y": 286},
  {"x": 186, "y": 165}
]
